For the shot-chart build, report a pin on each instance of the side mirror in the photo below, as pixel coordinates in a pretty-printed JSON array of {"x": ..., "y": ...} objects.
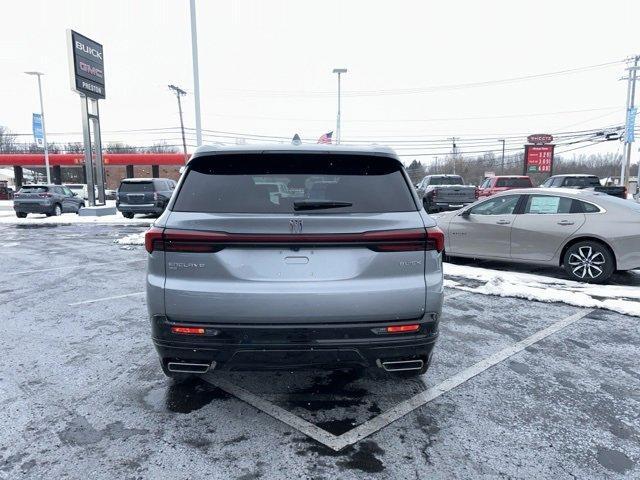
[{"x": 466, "y": 213}]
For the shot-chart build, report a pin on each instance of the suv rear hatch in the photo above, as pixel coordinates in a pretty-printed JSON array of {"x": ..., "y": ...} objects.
[
  {"x": 293, "y": 238},
  {"x": 32, "y": 194},
  {"x": 136, "y": 193}
]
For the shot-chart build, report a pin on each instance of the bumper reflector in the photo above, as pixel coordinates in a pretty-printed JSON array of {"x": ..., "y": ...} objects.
[
  {"x": 403, "y": 328},
  {"x": 188, "y": 330}
]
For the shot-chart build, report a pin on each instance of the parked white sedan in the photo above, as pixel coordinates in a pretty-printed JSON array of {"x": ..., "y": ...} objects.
[{"x": 590, "y": 234}]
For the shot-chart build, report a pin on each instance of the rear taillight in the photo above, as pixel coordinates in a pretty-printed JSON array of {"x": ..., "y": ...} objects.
[
  {"x": 16, "y": 195},
  {"x": 435, "y": 239},
  {"x": 406, "y": 240},
  {"x": 624, "y": 193},
  {"x": 477, "y": 193},
  {"x": 153, "y": 239}
]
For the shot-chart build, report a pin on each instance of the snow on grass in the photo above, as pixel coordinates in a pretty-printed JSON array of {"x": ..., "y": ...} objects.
[
  {"x": 132, "y": 239},
  {"x": 618, "y": 298}
]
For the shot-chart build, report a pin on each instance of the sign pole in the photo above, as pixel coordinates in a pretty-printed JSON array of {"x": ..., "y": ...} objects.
[
  {"x": 88, "y": 155},
  {"x": 95, "y": 118}
]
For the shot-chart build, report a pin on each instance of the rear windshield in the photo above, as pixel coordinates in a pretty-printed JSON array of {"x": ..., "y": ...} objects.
[
  {"x": 446, "y": 181},
  {"x": 275, "y": 183},
  {"x": 34, "y": 189},
  {"x": 581, "y": 182},
  {"x": 513, "y": 182},
  {"x": 127, "y": 187}
]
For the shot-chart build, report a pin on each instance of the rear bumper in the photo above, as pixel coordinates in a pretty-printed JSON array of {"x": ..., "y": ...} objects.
[
  {"x": 141, "y": 208},
  {"x": 446, "y": 206},
  {"x": 276, "y": 347},
  {"x": 33, "y": 207}
]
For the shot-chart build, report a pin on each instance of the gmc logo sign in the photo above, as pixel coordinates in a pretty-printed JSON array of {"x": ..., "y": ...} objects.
[
  {"x": 90, "y": 50},
  {"x": 85, "y": 67}
]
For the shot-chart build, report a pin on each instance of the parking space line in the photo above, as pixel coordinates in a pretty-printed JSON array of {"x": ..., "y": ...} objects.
[
  {"x": 294, "y": 421},
  {"x": 84, "y": 302},
  {"x": 76, "y": 266},
  {"x": 403, "y": 408}
]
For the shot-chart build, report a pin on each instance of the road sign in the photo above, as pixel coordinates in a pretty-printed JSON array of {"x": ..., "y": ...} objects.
[
  {"x": 86, "y": 65},
  {"x": 540, "y": 138},
  {"x": 38, "y": 132},
  {"x": 538, "y": 158}
]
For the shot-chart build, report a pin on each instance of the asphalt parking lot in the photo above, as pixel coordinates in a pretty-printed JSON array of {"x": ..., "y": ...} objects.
[{"x": 518, "y": 389}]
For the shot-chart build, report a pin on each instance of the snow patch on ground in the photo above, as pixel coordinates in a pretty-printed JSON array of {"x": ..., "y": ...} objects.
[
  {"x": 8, "y": 216},
  {"x": 618, "y": 298},
  {"x": 132, "y": 239}
]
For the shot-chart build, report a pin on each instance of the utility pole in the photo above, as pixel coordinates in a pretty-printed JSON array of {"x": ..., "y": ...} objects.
[
  {"x": 629, "y": 112},
  {"x": 339, "y": 71},
  {"x": 180, "y": 93},
  {"x": 454, "y": 152},
  {"x": 196, "y": 72},
  {"x": 502, "y": 162}
]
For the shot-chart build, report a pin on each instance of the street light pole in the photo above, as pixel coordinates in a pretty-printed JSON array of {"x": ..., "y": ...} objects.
[
  {"x": 44, "y": 130},
  {"x": 339, "y": 71},
  {"x": 196, "y": 72},
  {"x": 180, "y": 93}
]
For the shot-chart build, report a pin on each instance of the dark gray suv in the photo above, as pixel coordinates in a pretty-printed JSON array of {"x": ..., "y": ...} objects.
[
  {"x": 48, "y": 199},
  {"x": 144, "y": 195},
  {"x": 278, "y": 257}
]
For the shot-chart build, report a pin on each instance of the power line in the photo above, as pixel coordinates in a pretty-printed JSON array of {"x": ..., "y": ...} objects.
[{"x": 429, "y": 89}]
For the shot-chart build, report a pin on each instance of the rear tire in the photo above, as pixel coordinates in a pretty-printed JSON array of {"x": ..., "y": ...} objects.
[
  {"x": 589, "y": 261},
  {"x": 21, "y": 215},
  {"x": 127, "y": 215}
]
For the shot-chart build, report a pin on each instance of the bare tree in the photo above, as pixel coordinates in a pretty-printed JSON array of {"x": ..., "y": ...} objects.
[{"x": 7, "y": 140}]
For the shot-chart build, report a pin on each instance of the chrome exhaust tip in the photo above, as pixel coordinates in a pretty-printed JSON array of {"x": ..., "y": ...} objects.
[
  {"x": 401, "y": 365},
  {"x": 180, "y": 367}
]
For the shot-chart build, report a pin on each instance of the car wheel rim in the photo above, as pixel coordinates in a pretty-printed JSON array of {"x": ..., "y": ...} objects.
[
  {"x": 587, "y": 263},
  {"x": 57, "y": 211}
]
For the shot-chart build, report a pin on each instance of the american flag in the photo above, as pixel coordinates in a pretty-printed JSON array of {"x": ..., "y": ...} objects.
[{"x": 326, "y": 138}]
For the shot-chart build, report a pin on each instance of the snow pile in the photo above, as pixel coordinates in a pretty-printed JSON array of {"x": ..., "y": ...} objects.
[
  {"x": 132, "y": 239},
  {"x": 618, "y": 298}
]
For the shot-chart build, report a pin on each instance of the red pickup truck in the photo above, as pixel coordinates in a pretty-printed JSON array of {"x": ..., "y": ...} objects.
[{"x": 492, "y": 185}]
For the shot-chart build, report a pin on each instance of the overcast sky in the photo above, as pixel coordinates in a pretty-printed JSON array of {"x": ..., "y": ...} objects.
[{"x": 265, "y": 66}]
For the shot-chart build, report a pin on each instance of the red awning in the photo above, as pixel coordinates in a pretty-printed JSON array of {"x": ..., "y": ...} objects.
[{"x": 76, "y": 159}]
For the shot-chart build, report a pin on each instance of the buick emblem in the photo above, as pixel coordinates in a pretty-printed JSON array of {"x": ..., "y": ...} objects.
[{"x": 295, "y": 226}]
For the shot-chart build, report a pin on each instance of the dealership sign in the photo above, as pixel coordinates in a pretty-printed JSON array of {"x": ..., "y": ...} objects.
[
  {"x": 538, "y": 158},
  {"x": 86, "y": 65},
  {"x": 540, "y": 138}
]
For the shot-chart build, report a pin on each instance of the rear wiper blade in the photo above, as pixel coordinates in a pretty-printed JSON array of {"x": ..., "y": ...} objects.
[{"x": 319, "y": 204}]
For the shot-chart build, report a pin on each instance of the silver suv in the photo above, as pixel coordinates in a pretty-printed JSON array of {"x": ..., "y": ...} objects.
[{"x": 281, "y": 257}]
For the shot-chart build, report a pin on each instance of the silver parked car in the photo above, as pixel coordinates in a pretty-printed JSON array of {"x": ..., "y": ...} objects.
[
  {"x": 591, "y": 234},
  {"x": 339, "y": 267}
]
